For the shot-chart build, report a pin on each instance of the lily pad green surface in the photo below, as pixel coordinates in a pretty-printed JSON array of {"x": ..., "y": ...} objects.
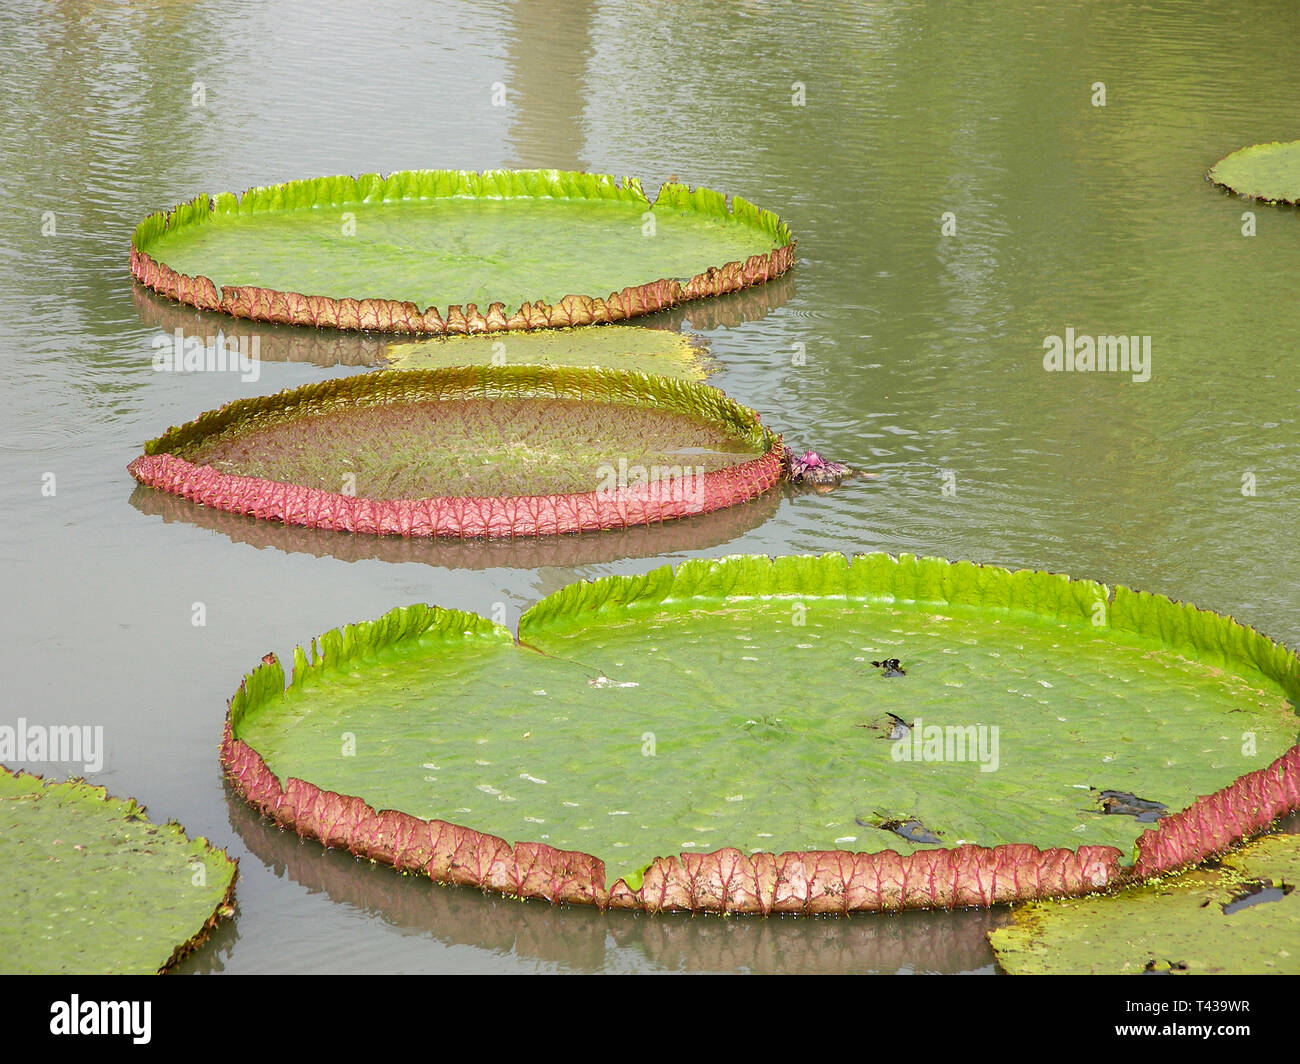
[
  {"x": 1269, "y": 172},
  {"x": 1194, "y": 923},
  {"x": 535, "y": 248},
  {"x": 89, "y": 885},
  {"x": 618, "y": 347},
  {"x": 734, "y": 704}
]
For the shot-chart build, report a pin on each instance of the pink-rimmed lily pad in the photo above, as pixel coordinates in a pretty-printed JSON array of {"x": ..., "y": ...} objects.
[
  {"x": 534, "y": 248},
  {"x": 470, "y": 452},
  {"x": 710, "y": 738}
]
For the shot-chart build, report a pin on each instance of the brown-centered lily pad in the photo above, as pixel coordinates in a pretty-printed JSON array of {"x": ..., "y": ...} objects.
[{"x": 476, "y": 451}]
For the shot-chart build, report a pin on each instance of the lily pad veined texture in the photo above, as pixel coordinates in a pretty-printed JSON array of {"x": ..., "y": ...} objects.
[
  {"x": 90, "y": 885},
  {"x": 1269, "y": 172},
  {"x": 702, "y": 738},
  {"x": 444, "y": 252},
  {"x": 477, "y": 451}
]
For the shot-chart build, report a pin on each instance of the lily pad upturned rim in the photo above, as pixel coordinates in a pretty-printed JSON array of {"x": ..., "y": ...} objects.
[
  {"x": 132, "y": 808},
  {"x": 469, "y": 516},
  {"x": 728, "y": 880},
  {"x": 1215, "y": 176},
  {"x": 389, "y": 315}
]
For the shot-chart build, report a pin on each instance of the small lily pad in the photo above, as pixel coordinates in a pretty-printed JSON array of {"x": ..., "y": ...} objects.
[
  {"x": 1194, "y": 923},
  {"x": 89, "y": 885},
  {"x": 1269, "y": 172}
]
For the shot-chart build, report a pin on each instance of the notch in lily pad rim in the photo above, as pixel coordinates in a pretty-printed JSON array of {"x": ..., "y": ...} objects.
[
  {"x": 471, "y": 516},
  {"x": 377, "y": 314},
  {"x": 823, "y": 881}
]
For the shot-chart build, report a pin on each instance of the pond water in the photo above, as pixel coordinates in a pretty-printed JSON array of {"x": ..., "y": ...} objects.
[{"x": 891, "y": 345}]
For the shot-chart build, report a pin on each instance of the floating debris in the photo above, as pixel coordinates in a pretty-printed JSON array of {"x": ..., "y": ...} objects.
[
  {"x": 890, "y": 667},
  {"x": 910, "y": 829},
  {"x": 894, "y": 725},
  {"x": 1122, "y": 803},
  {"x": 1155, "y": 967}
]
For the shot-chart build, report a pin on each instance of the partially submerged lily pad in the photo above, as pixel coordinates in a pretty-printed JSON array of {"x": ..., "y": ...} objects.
[
  {"x": 618, "y": 347},
  {"x": 1198, "y": 923},
  {"x": 476, "y": 451},
  {"x": 534, "y": 248},
  {"x": 1269, "y": 172},
  {"x": 89, "y": 885},
  {"x": 715, "y": 712}
]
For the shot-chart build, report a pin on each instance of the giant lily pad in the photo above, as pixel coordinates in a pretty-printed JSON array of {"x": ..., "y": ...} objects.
[
  {"x": 1269, "y": 172},
  {"x": 477, "y": 451},
  {"x": 729, "y": 712},
  {"x": 89, "y": 885},
  {"x": 1240, "y": 917},
  {"x": 536, "y": 248}
]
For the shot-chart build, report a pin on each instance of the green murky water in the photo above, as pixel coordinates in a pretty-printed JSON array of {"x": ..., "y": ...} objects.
[{"x": 890, "y": 346}]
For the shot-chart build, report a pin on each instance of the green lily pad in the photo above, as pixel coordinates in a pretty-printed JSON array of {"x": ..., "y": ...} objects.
[
  {"x": 89, "y": 885},
  {"x": 1269, "y": 172},
  {"x": 733, "y": 705},
  {"x": 1241, "y": 917},
  {"x": 537, "y": 248},
  {"x": 473, "y": 451},
  {"x": 618, "y": 347}
]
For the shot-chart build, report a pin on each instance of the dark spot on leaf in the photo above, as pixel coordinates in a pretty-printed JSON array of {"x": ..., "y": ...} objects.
[
  {"x": 1256, "y": 892},
  {"x": 910, "y": 829},
  {"x": 1122, "y": 803},
  {"x": 1155, "y": 967},
  {"x": 894, "y": 726}
]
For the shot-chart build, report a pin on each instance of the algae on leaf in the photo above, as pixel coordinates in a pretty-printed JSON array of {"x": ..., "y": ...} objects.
[
  {"x": 1269, "y": 172},
  {"x": 89, "y": 885},
  {"x": 1242, "y": 917}
]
